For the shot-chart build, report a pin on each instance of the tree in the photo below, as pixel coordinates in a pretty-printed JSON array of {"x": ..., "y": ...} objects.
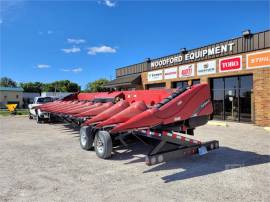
[
  {"x": 7, "y": 82},
  {"x": 61, "y": 86},
  {"x": 33, "y": 87},
  {"x": 97, "y": 85}
]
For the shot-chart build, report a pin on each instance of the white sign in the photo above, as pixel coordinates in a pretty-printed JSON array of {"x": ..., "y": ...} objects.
[
  {"x": 208, "y": 67},
  {"x": 155, "y": 75},
  {"x": 186, "y": 70},
  {"x": 170, "y": 73},
  {"x": 192, "y": 55}
]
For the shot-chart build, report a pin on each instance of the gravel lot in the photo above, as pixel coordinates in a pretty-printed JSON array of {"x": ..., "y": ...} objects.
[{"x": 45, "y": 163}]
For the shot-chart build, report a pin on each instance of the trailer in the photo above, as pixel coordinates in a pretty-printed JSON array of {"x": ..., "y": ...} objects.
[{"x": 166, "y": 118}]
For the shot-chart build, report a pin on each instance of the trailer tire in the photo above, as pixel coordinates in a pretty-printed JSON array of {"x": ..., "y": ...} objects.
[
  {"x": 103, "y": 144},
  {"x": 86, "y": 138},
  {"x": 39, "y": 119}
]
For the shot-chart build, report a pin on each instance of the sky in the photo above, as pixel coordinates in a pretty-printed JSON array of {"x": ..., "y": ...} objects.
[{"x": 86, "y": 40}]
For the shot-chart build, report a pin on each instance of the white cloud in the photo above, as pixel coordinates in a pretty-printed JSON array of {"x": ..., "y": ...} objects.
[
  {"x": 43, "y": 66},
  {"x": 109, "y": 3},
  {"x": 71, "y": 50},
  {"x": 46, "y": 32},
  {"x": 76, "y": 41},
  {"x": 101, "y": 49},
  {"x": 74, "y": 70}
]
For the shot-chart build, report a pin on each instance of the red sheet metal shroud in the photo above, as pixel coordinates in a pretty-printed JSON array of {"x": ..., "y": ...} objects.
[
  {"x": 98, "y": 104},
  {"x": 60, "y": 106},
  {"x": 180, "y": 108},
  {"x": 62, "y": 109},
  {"x": 134, "y": 109},
  {"x": 51, "y": 104},
  {"x": 115, "y": 109},
  {"x": 95, "y": 111},
  {"x": 78, "y": 108}
]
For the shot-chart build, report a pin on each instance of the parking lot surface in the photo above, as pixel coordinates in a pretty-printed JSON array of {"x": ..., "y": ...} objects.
[{"x": 44, "y": 162}]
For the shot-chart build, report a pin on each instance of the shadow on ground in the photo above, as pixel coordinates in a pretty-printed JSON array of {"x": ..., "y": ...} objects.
[{"x": 224, "y": 158}]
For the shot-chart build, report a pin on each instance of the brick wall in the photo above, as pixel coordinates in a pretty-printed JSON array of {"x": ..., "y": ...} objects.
[{"x": 261, "y": 89}]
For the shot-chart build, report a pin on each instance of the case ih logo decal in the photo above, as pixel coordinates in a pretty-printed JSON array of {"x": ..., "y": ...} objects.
[
  {"x": 155, "y": 75},
  {"x": 186, "y": 71},
  {"x": 260, "y": 59},
  {"x": 230, "y": 64}
]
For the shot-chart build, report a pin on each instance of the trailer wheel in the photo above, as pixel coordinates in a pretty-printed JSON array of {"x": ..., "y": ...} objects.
[
  {"x": 39, "y": 119},
  {"x": 86, "y": 138},
  {"x": 103, "y": 144}
]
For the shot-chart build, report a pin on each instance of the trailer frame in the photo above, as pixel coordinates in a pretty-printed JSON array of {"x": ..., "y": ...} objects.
[{"x": 174, "y": 145}]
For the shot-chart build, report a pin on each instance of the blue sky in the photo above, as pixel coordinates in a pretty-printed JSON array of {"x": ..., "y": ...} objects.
[{"x": 86, "y": 40}]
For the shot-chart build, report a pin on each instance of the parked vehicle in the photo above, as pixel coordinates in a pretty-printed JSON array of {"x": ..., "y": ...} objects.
[{"x": 37, "y": 113}]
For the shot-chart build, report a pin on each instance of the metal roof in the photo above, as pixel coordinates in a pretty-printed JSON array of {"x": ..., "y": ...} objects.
[
  {"x": 16, "y": 89},
  {"x": 125, "y": 80}
]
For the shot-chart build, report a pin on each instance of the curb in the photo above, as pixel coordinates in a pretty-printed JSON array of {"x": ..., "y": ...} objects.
[
  {"x": 15, "y": 116},
  {"x": 217, "y": 123},
  {"x": 267, "y": 129}
]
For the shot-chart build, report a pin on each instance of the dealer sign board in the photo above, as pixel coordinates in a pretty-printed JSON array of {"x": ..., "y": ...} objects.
[
  {"x": 230, "y": 64},
  {"x": 170, "y": 73},
  {"x": 259, "y": 59},
  {"x": 155, "y": 75},
  {"x": 208, "y": 67},
  {"x": 186, "y": 70},
  {"x": 192, "y": 55}
]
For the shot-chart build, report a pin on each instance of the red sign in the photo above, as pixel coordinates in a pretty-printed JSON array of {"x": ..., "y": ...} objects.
[
  {"x": 186, "y": 70},
  {"x": 230, "y": 64}
]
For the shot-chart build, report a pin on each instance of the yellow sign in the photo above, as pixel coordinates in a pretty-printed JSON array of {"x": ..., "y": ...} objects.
[
  {"x": 260, "y": 59},
  {"x": 11, "y": 107}
]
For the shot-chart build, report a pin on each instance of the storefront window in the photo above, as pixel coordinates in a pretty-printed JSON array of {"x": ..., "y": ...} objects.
[
  {"x": 245, "y": 98},
  {"x": 155, "y": 86},
  {"x": 232, "y": 98},
  {"x": 180, "y": 84},
  {"x": 196, "y": 81},
  {"x": 184, "y": 84}
]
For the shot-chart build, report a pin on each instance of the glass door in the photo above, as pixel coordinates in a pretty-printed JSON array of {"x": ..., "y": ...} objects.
[
  {"x": 245, "y": 98},
  {"x": 231, "y": 101},
  {"x": 232, "y": 98}
]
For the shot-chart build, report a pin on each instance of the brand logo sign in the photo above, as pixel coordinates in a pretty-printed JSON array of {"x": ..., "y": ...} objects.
[
  {"x": 260, "y": 59},
  {"x": 155, "y": 75},
  {"x": 230, "y": 64},
  {"x": 208, "y": 67},
  {"x": 192, "y": 55},
  {"x": 170, "y": 73},
  {"x": 186, "y": 70}
]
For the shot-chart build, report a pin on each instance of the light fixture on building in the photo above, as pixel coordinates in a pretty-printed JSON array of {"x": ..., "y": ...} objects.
[
  {"x": 148, "y": 60},
  {"x": 246, "y": 33},
  {"x": 183, "y": 50}
]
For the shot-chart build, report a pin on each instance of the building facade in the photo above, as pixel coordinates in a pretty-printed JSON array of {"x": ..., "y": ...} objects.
[
  {"x": 10, "y": 95},
  {"x": 237, "y": 70}
]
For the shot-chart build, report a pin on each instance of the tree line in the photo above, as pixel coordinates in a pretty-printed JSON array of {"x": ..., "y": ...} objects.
[{"x": 56, "y": 86}]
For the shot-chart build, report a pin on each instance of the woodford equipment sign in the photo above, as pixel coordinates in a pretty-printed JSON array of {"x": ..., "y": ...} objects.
[{"x": 193, "y": 55}]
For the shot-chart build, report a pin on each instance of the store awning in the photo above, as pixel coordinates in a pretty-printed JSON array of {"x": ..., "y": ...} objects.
[{"x": 130, "y": 80}]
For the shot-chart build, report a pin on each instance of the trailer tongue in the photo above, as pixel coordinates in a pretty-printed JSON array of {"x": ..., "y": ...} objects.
[{"x": 165, "y": 118}]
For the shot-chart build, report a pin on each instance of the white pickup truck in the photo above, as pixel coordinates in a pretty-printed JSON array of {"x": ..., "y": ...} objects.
[{"x": 37, "y": 113}]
